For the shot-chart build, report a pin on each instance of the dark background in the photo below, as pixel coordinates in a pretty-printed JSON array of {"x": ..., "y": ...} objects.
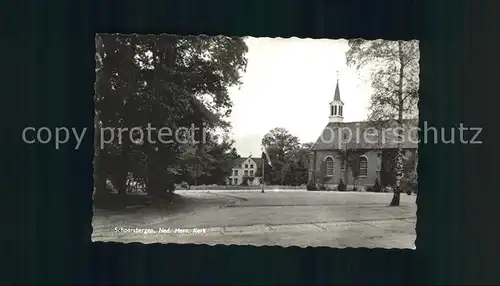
[{"x": 48, "y": 48}]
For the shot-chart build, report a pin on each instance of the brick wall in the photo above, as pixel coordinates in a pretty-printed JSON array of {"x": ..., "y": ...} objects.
[{"x": 373, "y": 163}]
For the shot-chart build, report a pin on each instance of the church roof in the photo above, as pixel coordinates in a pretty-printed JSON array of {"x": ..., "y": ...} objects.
[{"x": 330, "y": 139}]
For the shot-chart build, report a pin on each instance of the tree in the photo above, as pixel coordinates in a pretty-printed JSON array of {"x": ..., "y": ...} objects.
[
  {"x": 234, "y": 153},
  {"x": 395, "y": 83},
  {"x": 410, "y": 181},
  {"x": 224, "y": 155},
  {"x": 387, "y": 172},
  {"x": 353, "y": 161},
  {"x": 351, "y": 158},
  {"x": 274, "y": 174},
  {"x": 282, "y": 142},
  {"x": 298, "y": 172},
  {"x": 164, "y": 81},
  {"x": 321, "y": 176},
  {"x": 220, "y": 161},
  {"x": 209, "y": 165},
  {"x": 268, "y": 176},
  {"x": 282, "y": 148}
]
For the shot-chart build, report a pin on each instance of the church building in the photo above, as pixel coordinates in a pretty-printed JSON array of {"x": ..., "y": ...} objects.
[{"x": 375, "y": 145}]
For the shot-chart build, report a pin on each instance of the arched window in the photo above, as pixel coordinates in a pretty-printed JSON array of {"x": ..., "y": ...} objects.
[
  {"x": 340, "y": 110},
  {"x": 363, "y": 166},
  {"x": 335, "y": 110},
  {"x": 331, "y": 110},
  {"x": 345, "y": 136},
  {"x": 329, "y": 166}
]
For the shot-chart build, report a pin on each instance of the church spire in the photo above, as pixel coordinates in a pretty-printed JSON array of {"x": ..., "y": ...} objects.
[
  {"x": 336, "y": 106},
  {"x": 336, "y": 97}
]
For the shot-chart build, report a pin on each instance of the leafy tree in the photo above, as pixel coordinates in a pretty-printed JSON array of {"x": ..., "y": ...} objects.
[
  {"x": 298, "y": 165},
  {"x": 395, "y": 81},
  {"x": 288, "y": 157},
  {"x": 269, "y": 175},
  {"x": 208, "y": 165},
  {"x": 281, "y": 142},
  {"x": 272, "y": 174},
  {"x": 221, "y": 159},
  {"x": 410, "y": 181},
  {"x": 353, "y": 164},
  {"x": 387, "y": 172},
  {"x": 234, "y": 153},
  {"x": 321, "y": 176},
  {"x": 164, "y": 81},
  {"x": 282, "y": 148},
  {"x": 224, "y": 156},
  {"x": 308, "y": 145},
  {"x": 351, "y": 158}
]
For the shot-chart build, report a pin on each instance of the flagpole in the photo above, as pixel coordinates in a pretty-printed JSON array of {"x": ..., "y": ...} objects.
[{"x": 262, "y": 181}]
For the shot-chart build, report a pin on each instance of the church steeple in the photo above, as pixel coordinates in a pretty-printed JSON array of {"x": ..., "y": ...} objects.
[
  {"x": 336, "y": 97},
  {"x": 336, "y": 106}
]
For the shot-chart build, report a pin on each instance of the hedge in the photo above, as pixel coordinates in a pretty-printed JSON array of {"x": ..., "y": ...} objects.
[{"x": 236, "y": 187}]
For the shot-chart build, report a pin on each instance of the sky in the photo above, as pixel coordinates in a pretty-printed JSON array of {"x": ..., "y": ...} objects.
[{"x": 288, "y": 83}]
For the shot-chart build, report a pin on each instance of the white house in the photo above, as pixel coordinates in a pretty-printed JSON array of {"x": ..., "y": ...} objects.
[{"x": 244, "y": 167}]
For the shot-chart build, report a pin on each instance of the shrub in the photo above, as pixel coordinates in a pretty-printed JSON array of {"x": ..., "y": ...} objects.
[
  {"x": 341, "y": 187},
  {"x": 370, "y": 189},
  {"x": 388, "y": 189},
  {"x": 239, "y": 187},
  {"x": 311, "y": 186},
  {"x": 409, "y": 183},
  {"x": 322, "y": 187},
  {"x": 246, "y": 181}
]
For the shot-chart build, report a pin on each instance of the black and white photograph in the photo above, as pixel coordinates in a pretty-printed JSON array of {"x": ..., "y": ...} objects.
[{"x": 222, "y": 140}]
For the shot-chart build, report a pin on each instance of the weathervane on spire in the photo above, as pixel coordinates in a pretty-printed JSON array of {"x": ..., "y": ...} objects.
[{"x": 338, "y": 75}]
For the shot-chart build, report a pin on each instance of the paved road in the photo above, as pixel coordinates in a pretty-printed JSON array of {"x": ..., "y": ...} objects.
[{"x": 282, "y": 217}]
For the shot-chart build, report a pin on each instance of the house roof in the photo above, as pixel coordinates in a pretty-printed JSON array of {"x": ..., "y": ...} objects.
[
  {"x": 258, "y": 161},
  {"x": 381, "y": 138},
  {"x": 238, "y": 161}
]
